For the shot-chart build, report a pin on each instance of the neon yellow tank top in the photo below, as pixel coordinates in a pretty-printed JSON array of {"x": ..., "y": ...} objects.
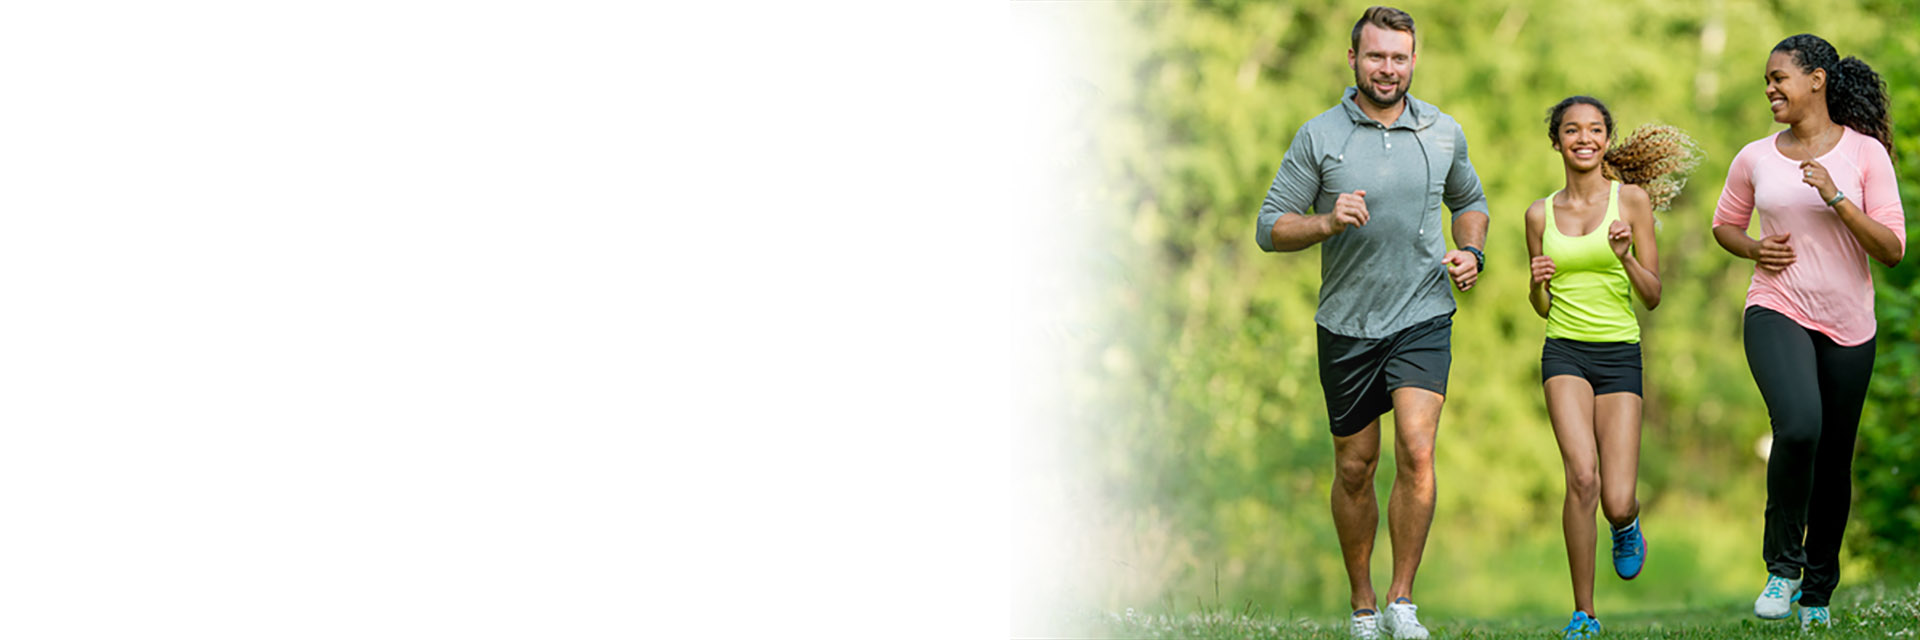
[{"x": 1591, "y": 294}]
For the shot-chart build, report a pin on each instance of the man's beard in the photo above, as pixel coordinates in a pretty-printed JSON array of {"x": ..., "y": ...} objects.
[{"x": 1380, "y": 101}]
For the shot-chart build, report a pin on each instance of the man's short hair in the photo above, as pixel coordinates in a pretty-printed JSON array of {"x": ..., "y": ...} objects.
[{"x": 1385, "y": 18}]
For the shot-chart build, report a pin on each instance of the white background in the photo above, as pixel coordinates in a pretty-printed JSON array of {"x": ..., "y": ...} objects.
[{"x": 503, "y": 319}]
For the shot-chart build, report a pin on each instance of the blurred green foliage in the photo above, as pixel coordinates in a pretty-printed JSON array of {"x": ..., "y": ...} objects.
[
  {"x": 1887, "y": 479},
  {"x": 1195, "y": 414}
]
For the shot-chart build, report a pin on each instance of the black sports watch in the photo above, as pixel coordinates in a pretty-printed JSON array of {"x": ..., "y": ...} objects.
[{"x": 1477, "y": 255}]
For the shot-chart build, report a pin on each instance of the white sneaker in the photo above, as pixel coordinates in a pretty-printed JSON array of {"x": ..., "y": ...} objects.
[
  {"x": 1776, "y": 600},
  {"x": 1812, "y": 618},
  {"x": 1402, "y": 622},
  {"x": 1364, "y": 626}
]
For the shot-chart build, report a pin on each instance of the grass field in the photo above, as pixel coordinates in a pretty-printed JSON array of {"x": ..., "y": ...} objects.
[{"x": 1879, "y": 612}]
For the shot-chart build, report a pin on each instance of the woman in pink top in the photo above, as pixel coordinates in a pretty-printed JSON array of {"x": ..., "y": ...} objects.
[{"x": 1828, "y": 201}]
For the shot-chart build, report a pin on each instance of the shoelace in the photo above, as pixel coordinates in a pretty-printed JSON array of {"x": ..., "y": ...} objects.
[
  {"x": 1366, "y": 626},
  {"x": 1622, "y": 546},
  {"x": 1818, "y": 615},
  {"x": 1582, "y": 626},
  {"x": 1776, "y": 587},
  {"x": 1403, "y": 616}
]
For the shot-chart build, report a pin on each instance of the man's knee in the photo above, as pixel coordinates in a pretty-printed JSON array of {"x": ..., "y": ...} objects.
[
  {"x": 1354, "y": 474},
  {"x": 1415, "y": 458}
]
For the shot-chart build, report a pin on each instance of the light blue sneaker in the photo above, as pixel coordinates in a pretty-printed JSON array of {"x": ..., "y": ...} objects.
[
  {"x": 1776, "y": 600},
  {"x": 1582, "y": 627},
  {"x": 1812, "y": 618},
  {"x": 1629, "y": 551}
]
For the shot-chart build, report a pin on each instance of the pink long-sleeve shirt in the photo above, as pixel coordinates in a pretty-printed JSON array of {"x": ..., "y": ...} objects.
[{"x": 1828, "y": 288}]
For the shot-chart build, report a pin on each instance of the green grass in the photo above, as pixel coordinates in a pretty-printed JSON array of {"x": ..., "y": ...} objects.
[{"x": 1879, "y": 612}]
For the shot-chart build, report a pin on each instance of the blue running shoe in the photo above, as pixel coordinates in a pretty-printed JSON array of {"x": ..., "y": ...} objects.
[
  {"x": 1629, "y": 551},
  {"x": 1582, "y": 627}
]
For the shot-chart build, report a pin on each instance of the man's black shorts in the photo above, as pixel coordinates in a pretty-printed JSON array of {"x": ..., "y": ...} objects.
[
  {"x": 1611, "y": 367},
  {"x": 1359, "y": 374}
]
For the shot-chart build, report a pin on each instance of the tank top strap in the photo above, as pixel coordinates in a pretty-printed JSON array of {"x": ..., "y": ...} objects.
[
  {"x": 1613, "y": 207},
  {"x": 1549, "y": 212}
]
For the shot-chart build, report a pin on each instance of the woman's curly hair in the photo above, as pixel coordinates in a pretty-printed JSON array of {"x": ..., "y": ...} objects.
[
  {"x": 1856, "y": 96},
  {"x": 1657, "y": 157}
]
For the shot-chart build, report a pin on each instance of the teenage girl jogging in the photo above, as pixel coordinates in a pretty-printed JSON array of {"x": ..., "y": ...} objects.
[{"x": 1592, "y": 247}]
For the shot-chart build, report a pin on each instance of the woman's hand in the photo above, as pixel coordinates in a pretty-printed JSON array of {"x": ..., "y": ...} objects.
[
  {"x": 1816, "y": 176},
  {"x": 1620, "y": 238},
  {"x": 1543, "y": 269},
  {"x": 1774, "y": 254}
]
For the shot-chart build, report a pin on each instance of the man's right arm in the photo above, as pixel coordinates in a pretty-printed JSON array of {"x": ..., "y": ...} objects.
[
  {"x": 1296, "y": 232},
  {"x": 1283, "y": 224}
]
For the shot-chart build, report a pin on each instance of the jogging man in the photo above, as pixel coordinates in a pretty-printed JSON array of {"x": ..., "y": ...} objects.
[{"x": 1377, "y": 169}]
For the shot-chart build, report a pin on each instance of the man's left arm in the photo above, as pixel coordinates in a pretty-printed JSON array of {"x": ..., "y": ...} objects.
[{"x": 1470, "y": 217}]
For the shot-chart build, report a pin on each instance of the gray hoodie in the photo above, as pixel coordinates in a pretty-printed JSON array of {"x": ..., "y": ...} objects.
[{"x": 1386, "y": 276}]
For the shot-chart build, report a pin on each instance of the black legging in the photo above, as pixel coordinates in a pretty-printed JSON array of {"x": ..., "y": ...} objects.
[{"x": 1814, "y": 390}]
